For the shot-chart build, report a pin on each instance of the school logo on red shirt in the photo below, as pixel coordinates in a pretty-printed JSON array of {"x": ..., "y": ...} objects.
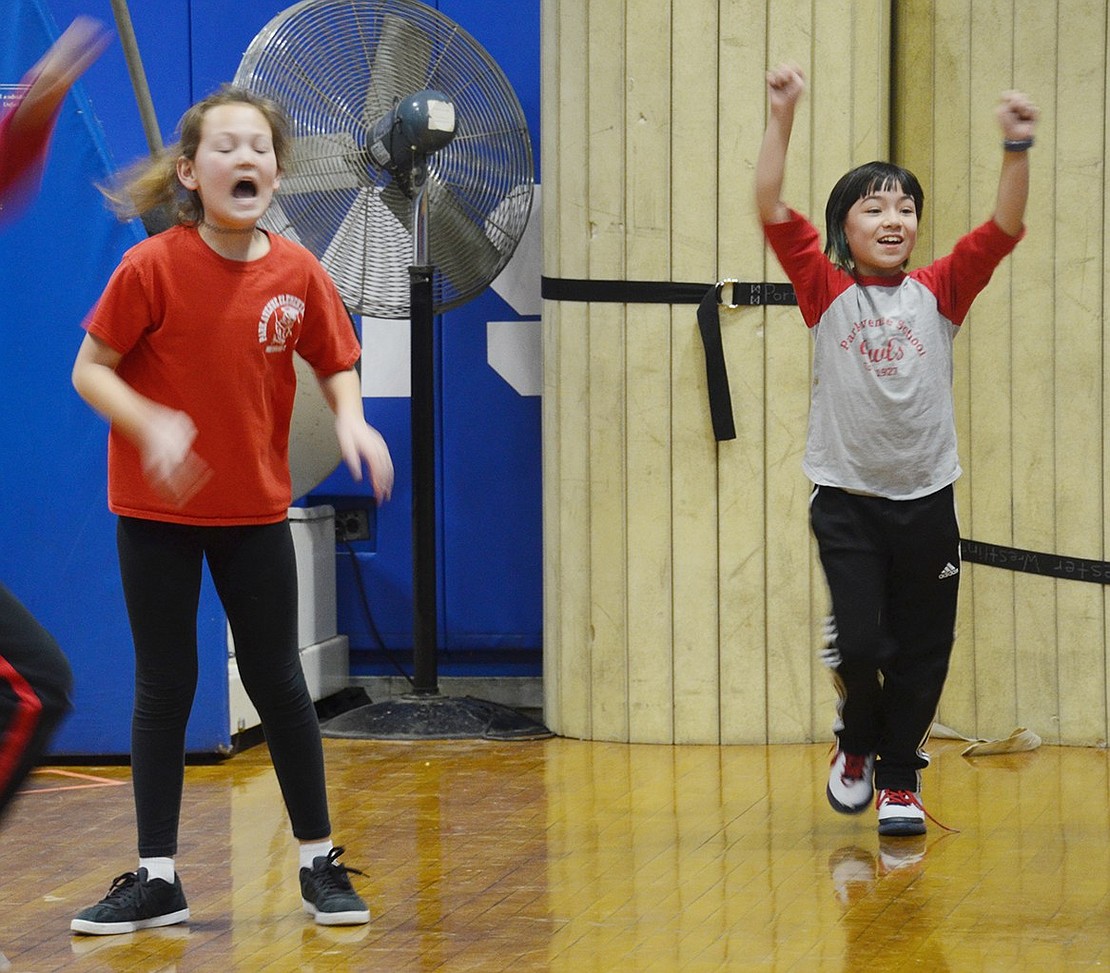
[{"x": 279, "y": 321}]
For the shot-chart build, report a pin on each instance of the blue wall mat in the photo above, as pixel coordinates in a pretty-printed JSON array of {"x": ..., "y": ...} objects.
[
  {"x": 491, "y": 433},
  {"x": 491, "y": 489},
  {"x": 62, "y": 536},
  {"x": 165, "y": 39},
  {"x": 489, "y": 477},
  {"x": 59, "y": 541}
]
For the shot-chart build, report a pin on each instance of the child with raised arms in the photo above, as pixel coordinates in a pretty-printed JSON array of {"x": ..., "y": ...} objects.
[{"x": 881, "y": 446}]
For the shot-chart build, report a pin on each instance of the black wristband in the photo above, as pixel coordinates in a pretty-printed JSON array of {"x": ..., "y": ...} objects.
[{"x": 1017, "y": 145}]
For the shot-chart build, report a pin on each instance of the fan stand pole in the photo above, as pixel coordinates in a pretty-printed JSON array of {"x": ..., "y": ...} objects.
[
  {"x": 425, "y": 713},
  {"x": 422, "y": 366},
  {"x": 424, "y": 593}
]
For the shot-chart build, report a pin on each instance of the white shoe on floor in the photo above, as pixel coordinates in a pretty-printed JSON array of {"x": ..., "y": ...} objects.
[{"x": 900, "y": 813}]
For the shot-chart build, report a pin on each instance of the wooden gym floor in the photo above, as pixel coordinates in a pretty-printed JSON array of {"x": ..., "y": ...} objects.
[{"x": 561, "y": 855}]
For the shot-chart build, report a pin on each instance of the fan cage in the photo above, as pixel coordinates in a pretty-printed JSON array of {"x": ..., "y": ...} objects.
[{"x": 336, "y": 67}]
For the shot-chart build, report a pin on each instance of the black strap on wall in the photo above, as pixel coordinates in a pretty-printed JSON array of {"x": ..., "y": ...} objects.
[
  {"x": 708, "y": 299},
  {"x": 746, "y": 294},
  {"x": 1035, "y": 562},
  {"x": 620, "y": 291},
  {"x": 660, "y": 291},
  {"x": 716, "y": 373}
]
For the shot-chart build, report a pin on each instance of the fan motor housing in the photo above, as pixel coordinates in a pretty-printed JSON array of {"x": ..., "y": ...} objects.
[{"x": 417, "y": 126}]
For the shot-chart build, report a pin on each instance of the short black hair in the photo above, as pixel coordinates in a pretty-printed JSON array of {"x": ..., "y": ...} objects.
[{"x": 853, "y": 186}]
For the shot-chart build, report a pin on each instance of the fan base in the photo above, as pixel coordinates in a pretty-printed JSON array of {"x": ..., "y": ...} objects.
[{"x": 434, "y": 717}]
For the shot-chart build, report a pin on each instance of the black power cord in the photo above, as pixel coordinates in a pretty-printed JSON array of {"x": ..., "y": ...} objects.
[{"x": 377, "y": 636}]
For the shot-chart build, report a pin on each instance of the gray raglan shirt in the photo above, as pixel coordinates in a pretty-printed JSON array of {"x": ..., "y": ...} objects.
[{"x": 881, "y": 417}]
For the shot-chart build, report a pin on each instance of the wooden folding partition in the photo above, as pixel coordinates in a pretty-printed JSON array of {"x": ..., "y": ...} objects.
[
  {"x": 683, "y": 600},
  {"x": 1032, "y": 364}
]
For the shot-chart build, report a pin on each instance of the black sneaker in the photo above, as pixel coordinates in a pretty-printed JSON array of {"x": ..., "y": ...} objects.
[
  {"x": 327, "y": 895},
  {"x": 134, "y": 902}
]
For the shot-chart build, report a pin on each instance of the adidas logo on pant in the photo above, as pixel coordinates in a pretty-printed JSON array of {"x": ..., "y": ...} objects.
[{"x": 950, "y": 570}]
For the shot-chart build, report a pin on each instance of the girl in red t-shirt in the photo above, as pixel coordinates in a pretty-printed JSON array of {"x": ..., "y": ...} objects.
[{"x": 189, "y": 354}]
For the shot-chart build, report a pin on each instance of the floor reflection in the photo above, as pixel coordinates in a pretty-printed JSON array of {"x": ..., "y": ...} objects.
[{"x": 562, "y": 856}]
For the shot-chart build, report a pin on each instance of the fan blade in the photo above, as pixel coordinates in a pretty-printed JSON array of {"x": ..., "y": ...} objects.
[
  {"x": 313, "y": 217},
  {"x": 512, "y": 212},
  {"x": 313, "y": 449},
  {"x": 458, "y": 246},
  {"x": 323, "y": 162},
  {"x": 401, "y": 65},
  {"x": 367, "y": 257},
  {"x": 399, "y": 203}
]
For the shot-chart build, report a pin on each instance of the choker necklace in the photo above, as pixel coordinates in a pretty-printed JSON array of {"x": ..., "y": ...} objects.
[{"x": 228, "y": 230}]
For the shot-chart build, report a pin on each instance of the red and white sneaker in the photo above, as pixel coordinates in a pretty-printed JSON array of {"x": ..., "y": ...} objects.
[
  {"x": 900, "y": 813},
  {"x": 850, "y": 789}
]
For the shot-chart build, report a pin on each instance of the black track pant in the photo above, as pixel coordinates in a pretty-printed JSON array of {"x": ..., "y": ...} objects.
[
  {"x": 255, "y": 574},
  {"x": 892, "y": 568},
  {"x": 35, "y": 683}
]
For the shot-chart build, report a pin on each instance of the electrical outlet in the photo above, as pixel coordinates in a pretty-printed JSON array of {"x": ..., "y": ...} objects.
[{"x": 352, "y": 525}]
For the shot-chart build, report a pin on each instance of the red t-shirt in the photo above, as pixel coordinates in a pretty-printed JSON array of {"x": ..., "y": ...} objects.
[{"x": 214, "y": 338}]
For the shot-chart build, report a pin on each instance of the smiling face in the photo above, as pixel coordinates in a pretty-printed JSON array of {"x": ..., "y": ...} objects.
[
  {"x": 881, "y": 230},
  {"x": 234, "y": 170}
]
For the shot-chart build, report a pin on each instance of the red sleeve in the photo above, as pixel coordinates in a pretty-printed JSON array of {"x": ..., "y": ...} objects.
[
  {"x": 817, "y": 281},
  {"x": 957, "y": 279},
  {"x": 327, "y": 340},
  {"x": 22, "y": 154},
  {"x": 123, "y": 311}
]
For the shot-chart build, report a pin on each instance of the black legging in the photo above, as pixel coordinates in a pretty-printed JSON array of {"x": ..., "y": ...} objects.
[
  {"x": 255, "y": 574},
  {"x": 35, "y": 683}
]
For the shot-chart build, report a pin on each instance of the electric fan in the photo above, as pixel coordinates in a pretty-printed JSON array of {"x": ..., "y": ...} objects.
[
  {"x": 411, "y": 181},
  {"x": 394, "y": 107}
]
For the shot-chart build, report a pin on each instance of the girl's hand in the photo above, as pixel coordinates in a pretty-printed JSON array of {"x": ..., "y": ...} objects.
[
  {"x": 785, "y": 85},
  {"x": 169, "y": 462},
  {"x": 1017, "y": 115},
  {"x": 359, "y": 442}
]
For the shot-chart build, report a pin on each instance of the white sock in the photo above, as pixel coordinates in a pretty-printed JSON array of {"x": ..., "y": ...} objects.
[
  {"x": 158, "y": 868},
  {"x": 313, "y": 849}
]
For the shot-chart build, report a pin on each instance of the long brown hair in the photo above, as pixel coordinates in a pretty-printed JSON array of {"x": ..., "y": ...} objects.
[{"x": 152, "y": 184}]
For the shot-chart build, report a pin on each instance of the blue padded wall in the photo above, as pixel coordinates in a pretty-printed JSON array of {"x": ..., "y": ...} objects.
[{"x": 59, "y": 553}]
